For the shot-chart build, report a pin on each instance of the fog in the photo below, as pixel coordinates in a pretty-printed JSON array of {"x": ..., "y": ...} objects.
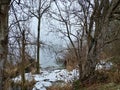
[{"x": 52, "y": 41}]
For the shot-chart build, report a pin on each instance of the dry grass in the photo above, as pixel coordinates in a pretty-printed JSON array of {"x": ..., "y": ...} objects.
[
  {"x": 108, "y": 86},
  {"x": 28, "y": 84},
  {"x": 12, "y": 71},
  {"x": 65, "y": 87}
]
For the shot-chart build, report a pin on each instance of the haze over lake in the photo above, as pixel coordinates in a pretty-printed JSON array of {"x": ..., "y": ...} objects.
[{"x": 52, "y": 41}]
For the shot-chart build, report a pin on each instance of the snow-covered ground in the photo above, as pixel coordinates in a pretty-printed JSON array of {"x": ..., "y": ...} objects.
[{"x": 47, "y": 78}]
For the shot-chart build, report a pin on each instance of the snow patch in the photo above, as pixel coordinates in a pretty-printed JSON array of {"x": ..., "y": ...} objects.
[{"x": 47, "y": 78}]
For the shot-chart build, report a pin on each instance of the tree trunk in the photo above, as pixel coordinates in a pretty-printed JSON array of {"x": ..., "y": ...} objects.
[
  {"x": 38, "y": 39},
  {"x": 38, "y": 48},
  {"x": 4, "y": 8},
  {"x": 23, "y": 61},
  {"x": 87, "y": 67},
  {"x": 87, "y": 72}
]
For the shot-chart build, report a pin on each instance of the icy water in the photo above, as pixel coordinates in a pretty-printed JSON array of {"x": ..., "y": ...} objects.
[
  {"x": 51, "y": 39},
  {"x": 47, "y": 59}
]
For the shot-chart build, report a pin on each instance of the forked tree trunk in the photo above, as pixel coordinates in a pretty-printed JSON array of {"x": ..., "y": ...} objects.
[
  {"x": 87, "y": 67},
  {"x": 4, "y": 8}
]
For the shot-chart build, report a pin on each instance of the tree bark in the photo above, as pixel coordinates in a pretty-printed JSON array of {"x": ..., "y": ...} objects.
[
  {"x": 88, "y": 66},
  {"x": 38, "y": 47},
  {"x": 23, "y": 61},
  {"x": 4, "y": 8},
  {"x": 38, "y": 38}
]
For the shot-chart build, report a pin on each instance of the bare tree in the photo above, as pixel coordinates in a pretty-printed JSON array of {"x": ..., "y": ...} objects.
[
  {"x": 38, "y": 9},
  {"x": 19, "y": 37},
  {"x": 94, "y": 19},
  {"x": 65, "y": 17}
]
